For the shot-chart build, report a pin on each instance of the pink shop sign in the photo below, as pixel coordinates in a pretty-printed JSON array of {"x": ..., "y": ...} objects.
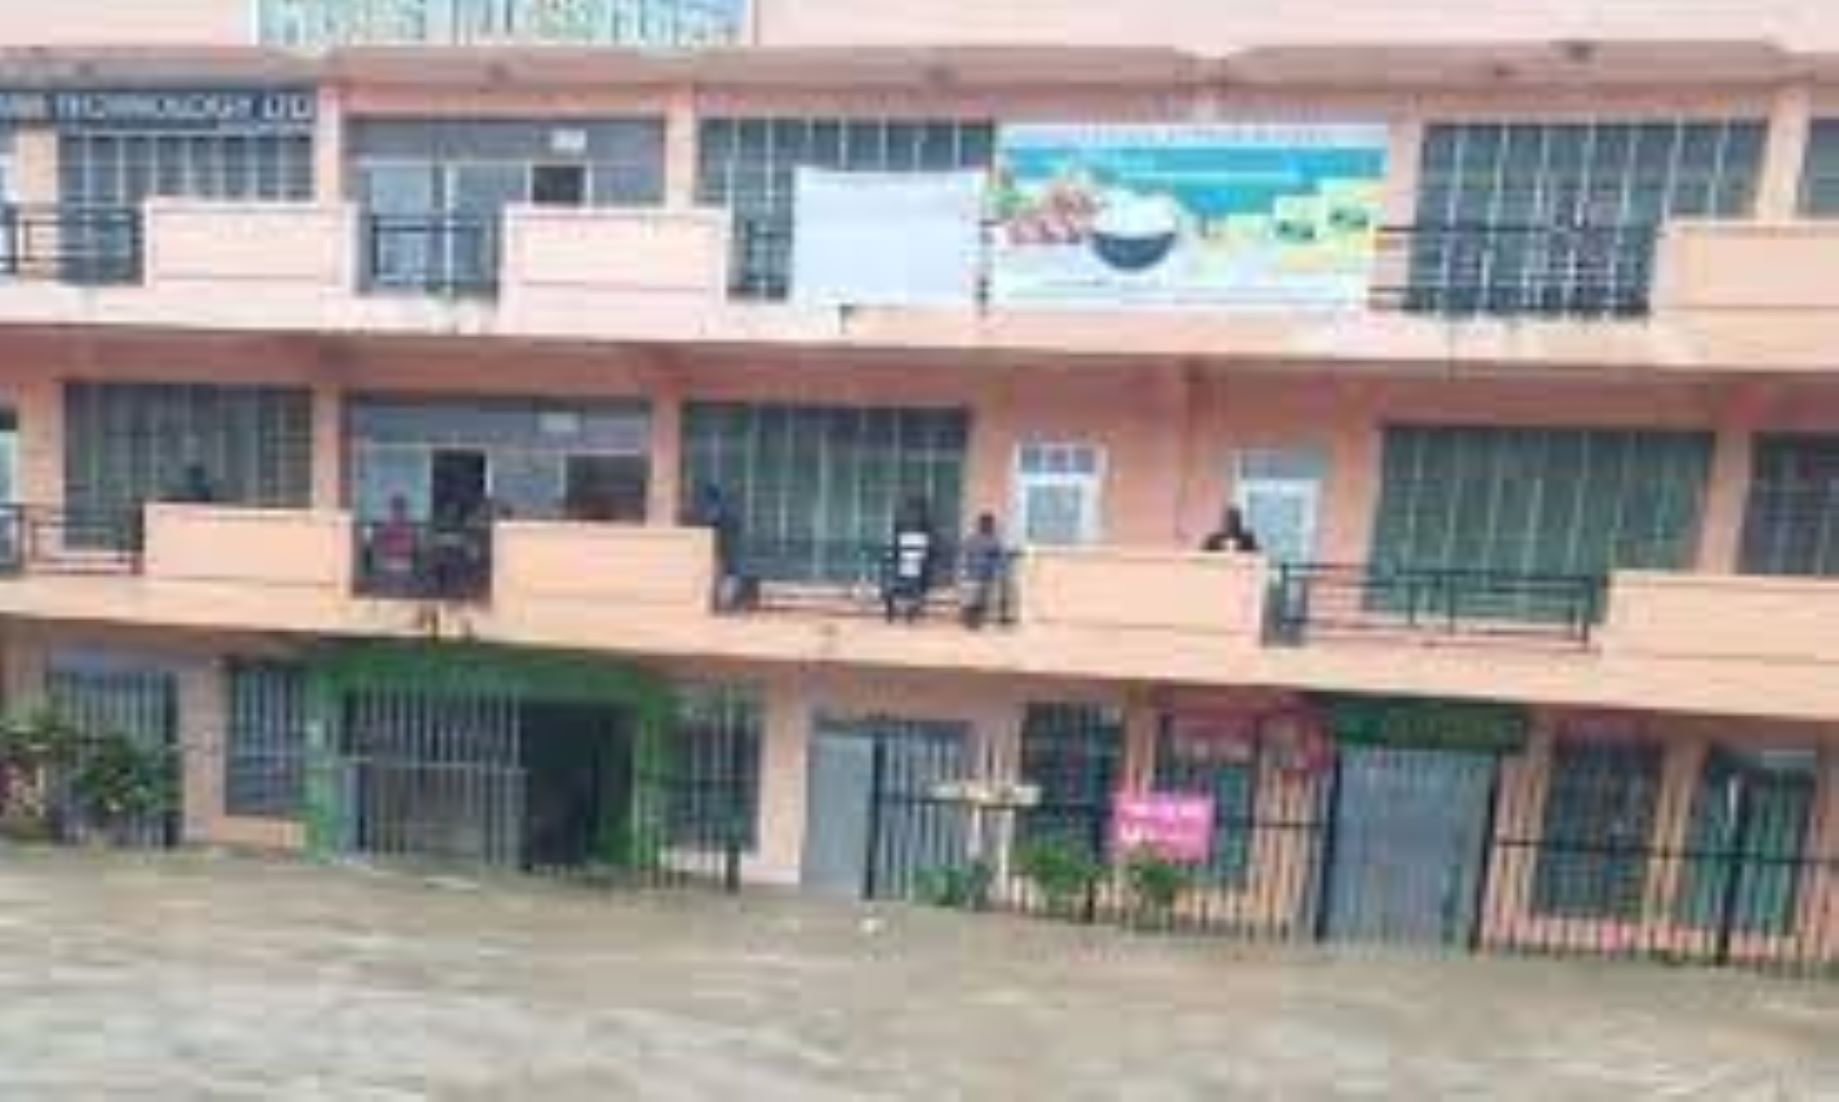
[{"x": 1159, "y": 824}]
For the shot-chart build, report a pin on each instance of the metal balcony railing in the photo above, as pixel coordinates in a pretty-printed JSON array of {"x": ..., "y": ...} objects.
[
  {"x": 847, "y": 578},
  {"x": 639, "y": 24},
  {"x": 41, "y": 539},
  {"x": 1490, "y": 269},
  {"x": 1314, "y": 601},
  {"x": 85, "y": 245},
  {"x": 449, "y": 255},
  {"x": 414, "y": 561}
]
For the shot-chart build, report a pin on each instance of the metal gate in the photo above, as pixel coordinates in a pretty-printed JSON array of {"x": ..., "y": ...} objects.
[
  {"x": 107, "y": 696},
  {"x": 851, "y": 847}
]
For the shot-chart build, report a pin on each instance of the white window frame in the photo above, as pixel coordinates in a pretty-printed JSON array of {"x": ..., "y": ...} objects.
[
  {"x": 1090, "y": 481},
  {"x": 1313, "y": 490}
]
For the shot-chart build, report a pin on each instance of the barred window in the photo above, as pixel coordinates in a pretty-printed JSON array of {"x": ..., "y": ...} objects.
[
  {"x": 1791, "y": 522},
  {"x": 750, "y": 166},
  {"x": 1225, "y": 770},
  {"x": 1598, "y": 834},
  {"x": 265, "y": 752},
  {"x": 1820, "y": 174},
  {"x": 1747, "y": 841},
  {"x": 129, "y": 443},
  {"x": 102, "y": 169},
  {"x": 1559, "y": 218},
  {"x": 715, "y": 766},
  {"x": 1074, "y": 753},
  {"x": 816, "y": 488}
]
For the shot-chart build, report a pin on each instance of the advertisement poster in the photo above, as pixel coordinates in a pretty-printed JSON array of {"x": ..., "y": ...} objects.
[
  {"x": 1205, "y": 216},
  {"x": 1171, "y": 827}
]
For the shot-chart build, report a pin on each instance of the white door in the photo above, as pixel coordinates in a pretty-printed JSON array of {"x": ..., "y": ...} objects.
[
  {"x": 1058, "y": 494},
  {"x": 1279, "y": 491}
]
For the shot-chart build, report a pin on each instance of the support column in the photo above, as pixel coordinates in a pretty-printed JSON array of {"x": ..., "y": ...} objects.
[
  {"x": 203, "y": 729},
  {"x": 992, "y": 452},
  {"x": 784, "y": 765},
  {"x": 329, "y": 147},
  {"x": 680, "y": 149},
  {"x": 663, "y": 500},
  {"x": 1727, "y": 493},
  {"x": 328, "y": 446},
  {"x": 1778, "y": 192},
  {"x": 1142, "y": 725},
  {"x": 1404, "y": 154},
  {"x": 38, "y": 403}
]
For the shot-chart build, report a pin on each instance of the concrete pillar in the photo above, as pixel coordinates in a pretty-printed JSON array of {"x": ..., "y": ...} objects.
[
  {"x": 991, "y": 458},
  {"x": 1142, "y": 726},
  {"x": 1404, "y": 153},
  {"x": 663, "y": 505},
  {"x": 680, "y": 149},
  {"x": 1778, "y": 193},
  {"x": 203, "y": 729},
  {"x": 328, "y": 446},
  {"x": 783, "y": 767},
  {"x": 39, "y": 405},
  {"x": 329, "y": 147},
  {"x": 1727, "y": 492}
]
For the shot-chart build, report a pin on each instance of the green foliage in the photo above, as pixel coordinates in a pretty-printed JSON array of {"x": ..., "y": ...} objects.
[
  {"x": 960, "y": 887},
  {"x": 109, "y": 778},
  {"x": 1064, "y": 873},
  {"x": 1156, "y": 884}
]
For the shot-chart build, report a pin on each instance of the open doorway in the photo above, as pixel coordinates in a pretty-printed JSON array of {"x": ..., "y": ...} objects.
[
  {"x": 459, "y": 484},
  {"x": 558, "y": 185},
  {"x": 578, "y": 781}
]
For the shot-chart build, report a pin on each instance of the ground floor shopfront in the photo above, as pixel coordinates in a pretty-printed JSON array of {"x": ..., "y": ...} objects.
[{"x": 1348, "y": 819}]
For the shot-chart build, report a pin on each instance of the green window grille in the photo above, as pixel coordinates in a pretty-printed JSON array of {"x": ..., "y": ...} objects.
[
  {"x": 816, "y": 489},
  {"x": 750, "y": 165},
  {"x": 1791, "y": 525},
  {"x": 1747, "y": 845},
  {"x": 1074, "y": 755},
  {"x": 128, "y": 443},
  {"x": 1598, "y": 834},
  {"x": 1557, "y": 502},
  {"x": 265, "y": 751}
]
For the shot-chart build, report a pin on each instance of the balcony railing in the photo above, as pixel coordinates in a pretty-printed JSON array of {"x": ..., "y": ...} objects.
[
  {"x": 410, "y": 561},
  {"x": 649, "y": 24},
  {"x": 450, "y": 255},
  {"x": 1490, "y": 269},
  {"x": 861, "y": 579},
  {"x": 39, "y": 539},
  {"x": 71, "y": 244},
  {"x": 1318, "y": 601}
]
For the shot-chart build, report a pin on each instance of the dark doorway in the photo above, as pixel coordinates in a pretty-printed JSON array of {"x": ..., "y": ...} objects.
[
  {"x": 459, "y": 485},
  {"x": 577, "y": 763},
  {"x": 606, "y": 488},
  {"x": 558, "y": 185}
]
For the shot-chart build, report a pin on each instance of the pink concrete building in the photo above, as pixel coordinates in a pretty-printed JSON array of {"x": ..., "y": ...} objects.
[{"x": 555, "y": 435}]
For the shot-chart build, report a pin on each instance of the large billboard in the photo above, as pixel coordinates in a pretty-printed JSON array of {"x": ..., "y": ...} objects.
[{"x": 1216, "y": 216}]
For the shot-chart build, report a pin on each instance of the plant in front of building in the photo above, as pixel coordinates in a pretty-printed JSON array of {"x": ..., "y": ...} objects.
[
  {"x": 54, "y": 774},
  {"x": 1065, "y": 874},
  {"x": 31, "y": 747},
  {"x": 958, "y": 887},
  {"x": 117, "y": 783},
  {"x": 1156, "y": 885}
]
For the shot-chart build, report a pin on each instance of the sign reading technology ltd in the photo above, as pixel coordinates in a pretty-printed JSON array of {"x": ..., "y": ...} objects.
[{"x": 263, "y": 110}]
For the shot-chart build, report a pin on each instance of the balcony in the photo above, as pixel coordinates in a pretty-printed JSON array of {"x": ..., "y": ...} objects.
[
  {"x": 1599, "y": 298},
  {"x": 1318, "y": 602},
  {"x": 640, "y": 24}
]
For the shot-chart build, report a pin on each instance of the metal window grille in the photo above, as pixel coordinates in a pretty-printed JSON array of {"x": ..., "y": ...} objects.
[
  {"x": 112, "y": 697},
  {"x": 1598, "y": 834},
  {"x": 815, "y": 487},
  {"x": 1820, "y": 174},
  {"x": 750, "y": 166},
  {"x": 265, "y": 750},
  {"x": 714, "y": 772},
  {"x": 1198, "y": 769},
  {"x": 1791, "y": 522},
  {"x": 1557, "y": 218},
  {"x": 1074, "y": 753}
]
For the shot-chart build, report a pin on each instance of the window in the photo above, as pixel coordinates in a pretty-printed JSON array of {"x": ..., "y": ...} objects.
[
  {"x": 1224, "y": 766},
  {"x": 1279, "y": 491},
  {"x": 715, "y": 767},
  {"x": 1598, "y": 831},
  {"x": 1058, "y": 488},
  {"x": 265, "y": 753},
  {"x": 749, "y": 165},
  {"x": 1791, "y": 522},
  {"x": 815, "y": 488},
  {"x": 1559, "y": 218},
  {"x": 126, "y": 444},
  {"x": 1564, "y": 502},
  {"x": 1074, "y": 754},
  {"x": 558, "y": 185},
  {"x": 1751, "y": 816},
  {"x": 1820, "y": 176}
]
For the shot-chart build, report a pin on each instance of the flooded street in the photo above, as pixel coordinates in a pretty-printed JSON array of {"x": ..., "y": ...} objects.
[{"x": 218, "y": 978}]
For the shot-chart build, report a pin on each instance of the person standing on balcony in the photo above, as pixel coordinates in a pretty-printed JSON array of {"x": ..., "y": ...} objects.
[
  {"x": 713, "y": 512},
  {"x": 982, "y": 560},
  {"x": 910, "y": 560},
  {"x": 393, "y": 548},
  {"x": 1233, "y": 536}
]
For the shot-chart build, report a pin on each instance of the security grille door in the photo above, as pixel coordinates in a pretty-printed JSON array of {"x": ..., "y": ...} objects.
[
  {"x": 1409, "y": 843},
  {"x": 837, "y": 821},
  {"x": 911, "y": 757}
]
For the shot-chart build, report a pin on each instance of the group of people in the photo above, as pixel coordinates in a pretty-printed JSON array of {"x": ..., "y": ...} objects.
[{"x": 445, "y": 557}]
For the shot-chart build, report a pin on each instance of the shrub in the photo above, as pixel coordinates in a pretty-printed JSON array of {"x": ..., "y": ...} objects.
[
  {"x": 1156, "y": 885},
  {"x": 1064, "y": 873},
  {"x": 960, "y": 887}
]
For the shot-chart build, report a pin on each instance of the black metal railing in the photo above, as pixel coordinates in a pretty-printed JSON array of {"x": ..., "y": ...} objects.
[
  {"x": 40, "y": 539},
  {"x": 1317, "y": 600},
  {"x": 450, "y": 255},
  {"x": 851, "y": 578},
  {"x": 87, "y": 245},
  {"x": 413, "y": 561},
  {"x": 1496, "y": 269}
]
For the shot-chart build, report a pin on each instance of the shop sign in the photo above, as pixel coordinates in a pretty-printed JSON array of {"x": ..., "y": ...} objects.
[
  {"x": 990, "y": 794},
  {"x": 266, "y": 110},
  {"x": 1177, "y": 828},
  {"x": 1204, "y": 216}
]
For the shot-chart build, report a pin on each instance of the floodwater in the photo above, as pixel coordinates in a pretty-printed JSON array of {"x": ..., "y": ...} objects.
[{"x": 193, "y": 976}]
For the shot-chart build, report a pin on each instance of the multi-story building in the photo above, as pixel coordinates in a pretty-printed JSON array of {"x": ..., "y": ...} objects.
[{"x": 480, "y": 430}]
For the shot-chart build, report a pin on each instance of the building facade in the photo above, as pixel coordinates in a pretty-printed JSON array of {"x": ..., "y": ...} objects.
[{"x": 503, "y": 454}]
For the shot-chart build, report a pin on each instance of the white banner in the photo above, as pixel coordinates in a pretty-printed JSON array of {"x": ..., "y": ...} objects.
[{"x": 887, "y": 239}]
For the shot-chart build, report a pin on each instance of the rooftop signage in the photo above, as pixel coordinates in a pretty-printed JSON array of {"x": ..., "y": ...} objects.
[
  {"x": 639, "y": 24},
  {"x": 244, "y": 109}
]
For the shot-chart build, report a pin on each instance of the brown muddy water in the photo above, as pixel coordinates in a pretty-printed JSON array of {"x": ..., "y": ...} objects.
[{"x": 201, "y": 977}]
